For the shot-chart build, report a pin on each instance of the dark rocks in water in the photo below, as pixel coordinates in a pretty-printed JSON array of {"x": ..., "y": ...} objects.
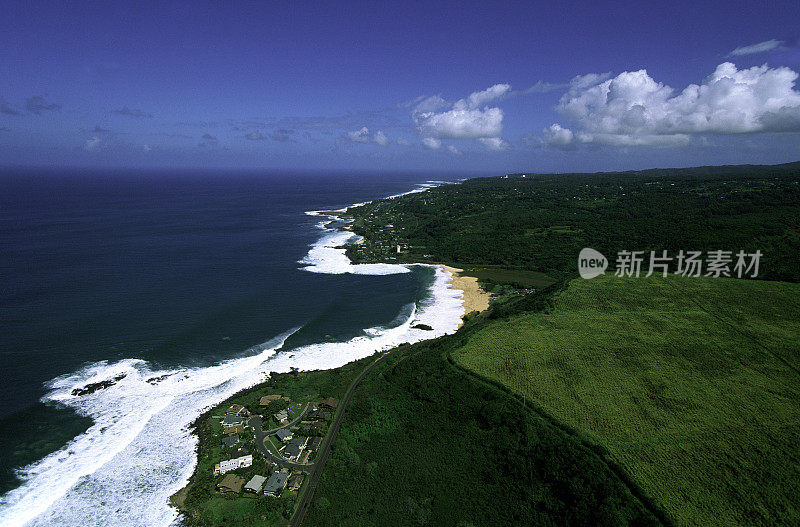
[
  {"x": 94, "y": 386},
  {"x": 156, "y": 380},
  {"x": 426, "y": 327}
]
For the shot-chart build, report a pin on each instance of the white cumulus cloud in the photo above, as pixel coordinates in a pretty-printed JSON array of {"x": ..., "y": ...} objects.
[
  {"x": 461, "y": 124},
  {"x": 558, "y": 136},
  {"x": 453, "y": 150},
  {"x": 363, "y": 136},
  {"x": 761, "y": 47},
  {"x": 403, "y": 142},
  {"x": 494, "y": 143},
  {"x": 479, "y": 98},
  {"x": 359, "y": 136},
  {"x": 430, "y": 104},
  {"x": 466, "y": 119},
  {"x": 380, "y": 138},
  {"x": 432, "y": 143},
  {"x": 632, "y": 109}
]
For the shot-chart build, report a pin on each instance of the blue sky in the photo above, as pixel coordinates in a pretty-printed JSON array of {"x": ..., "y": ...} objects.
[{"x": 529, "y": 86}]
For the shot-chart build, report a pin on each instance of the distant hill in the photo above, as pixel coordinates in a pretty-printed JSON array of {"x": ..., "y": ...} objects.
[{"x": 778, "y": 169}]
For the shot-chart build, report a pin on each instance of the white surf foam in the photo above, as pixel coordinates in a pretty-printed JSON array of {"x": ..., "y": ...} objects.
[
  {"x": 326, "y": 255},
  {"x": 139, "y": 450}
]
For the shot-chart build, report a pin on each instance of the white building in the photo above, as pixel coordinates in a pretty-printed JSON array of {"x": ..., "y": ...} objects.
[
  {"x": 282, "y": 416},
  {"x": 255, "y": 484},
  {"x": 233, "y": 464}
]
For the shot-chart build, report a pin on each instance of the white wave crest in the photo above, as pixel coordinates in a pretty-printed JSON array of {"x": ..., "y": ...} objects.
[{"x": 327, "y": 255}]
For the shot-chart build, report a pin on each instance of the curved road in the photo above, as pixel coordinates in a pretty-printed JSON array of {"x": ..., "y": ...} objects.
[
  {"x": 261, "y": 436},
  {"x": 319, "y": 464}
]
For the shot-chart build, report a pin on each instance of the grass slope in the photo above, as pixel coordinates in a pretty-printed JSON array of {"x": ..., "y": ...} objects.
[
  {"x": 691, "y": 384},
  {"x": 425, "y": 443}
]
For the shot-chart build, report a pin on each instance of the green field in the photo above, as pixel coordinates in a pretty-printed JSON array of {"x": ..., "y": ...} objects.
[
  {"x": 691, "y": 384},
  {"x": 426, "y": 443},
  {"x": 516, "y": 276}
]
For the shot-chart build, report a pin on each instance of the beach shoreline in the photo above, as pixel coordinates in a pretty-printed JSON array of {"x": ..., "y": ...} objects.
[{"x": 474, "y": 297}]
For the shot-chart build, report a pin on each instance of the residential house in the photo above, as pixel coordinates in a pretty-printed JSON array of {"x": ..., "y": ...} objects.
[
  {"x": 318, "y": 415},
  {"x": 231, "y": 483},
  {"x": 314, "y": 443},
  {"x": 295, "y": 481},
  {"x": 255, "y": 484},
  {"x": 232, "y": 420},
  {"x": 284, "y": 434},
  {"x": 276, "y": 483},
  {"x": 308, "y": 427},
  {"x": 239, "y": 458},
  {"x": 282, "y": 416},
  {"x": 294, "y": 448},
  {"x": 230, "y": 441},
  {"x": 238, "y": 429},
  {"x": 238, "y": 409}
]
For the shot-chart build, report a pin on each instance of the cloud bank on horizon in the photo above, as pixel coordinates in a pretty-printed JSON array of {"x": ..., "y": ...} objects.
[
  {"x": 630, "y": 109},
  {"x": 633, "y": 109},
  {"x": 363, "y": 136}
]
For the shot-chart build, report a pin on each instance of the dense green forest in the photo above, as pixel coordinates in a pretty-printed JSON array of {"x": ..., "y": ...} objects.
[{"x": 541, "y": 222}]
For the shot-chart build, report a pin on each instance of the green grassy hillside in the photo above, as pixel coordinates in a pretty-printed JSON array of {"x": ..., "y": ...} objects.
[
  {"x": 691, "y": 384},
  {"x": 425, "y": 443}
]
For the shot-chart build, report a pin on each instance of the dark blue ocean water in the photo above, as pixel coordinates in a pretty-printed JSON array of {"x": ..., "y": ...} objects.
[{"x": 176, "y": 268}]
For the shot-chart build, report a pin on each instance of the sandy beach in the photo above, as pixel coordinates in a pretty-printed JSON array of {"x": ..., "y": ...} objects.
[{"x": 475, "y": 298}]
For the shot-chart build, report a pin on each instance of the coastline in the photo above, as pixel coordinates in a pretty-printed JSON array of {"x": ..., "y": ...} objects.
[
  {"x": 474, "y": 298},
  {"x": 173, "y": 398},
  {"x": 445, "y": 279}
]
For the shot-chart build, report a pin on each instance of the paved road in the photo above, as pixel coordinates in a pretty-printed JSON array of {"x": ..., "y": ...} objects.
[
  {"x": 319, "y": 465},
  {"x": 293, "y": 421},
  {"x": 261, "y": 435}
]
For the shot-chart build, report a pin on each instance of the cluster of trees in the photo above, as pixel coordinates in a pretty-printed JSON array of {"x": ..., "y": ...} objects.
[{"x": 541, "y": 222}]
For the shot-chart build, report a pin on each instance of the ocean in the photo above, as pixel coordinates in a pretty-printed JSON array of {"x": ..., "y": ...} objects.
[{"x": 182, "y": 288}]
